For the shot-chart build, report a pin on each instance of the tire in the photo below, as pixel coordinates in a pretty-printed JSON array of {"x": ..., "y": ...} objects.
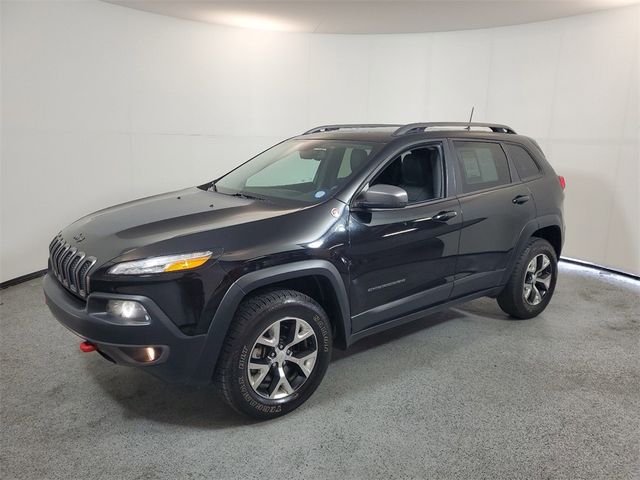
[
  {"x": 285, "y": 378},
  {"x": 528, "y": 293}
]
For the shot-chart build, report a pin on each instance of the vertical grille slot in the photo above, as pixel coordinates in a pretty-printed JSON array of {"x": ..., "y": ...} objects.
[{"x": 70, "y": 266}]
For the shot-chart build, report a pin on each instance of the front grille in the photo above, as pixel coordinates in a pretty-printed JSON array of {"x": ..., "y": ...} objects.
[{"x": 70, "y": 266}]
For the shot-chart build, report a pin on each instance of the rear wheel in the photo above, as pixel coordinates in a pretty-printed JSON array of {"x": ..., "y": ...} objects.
[
  {"x": 275, "y": 355},
  {"x": 532, "y": 281}
]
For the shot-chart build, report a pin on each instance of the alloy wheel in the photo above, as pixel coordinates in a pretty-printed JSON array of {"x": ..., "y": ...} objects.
[
  {"x": 282, "y": 358},
  {"x": 537, "y": 279}
]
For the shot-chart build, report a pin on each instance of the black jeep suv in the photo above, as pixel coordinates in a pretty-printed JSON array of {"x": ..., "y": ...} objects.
[{"x": 342, "y": 232}]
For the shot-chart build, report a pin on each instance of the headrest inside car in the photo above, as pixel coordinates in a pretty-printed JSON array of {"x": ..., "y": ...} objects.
[
  {"x": 358, "y": 158},
  {"x": 413, "y": 168}
]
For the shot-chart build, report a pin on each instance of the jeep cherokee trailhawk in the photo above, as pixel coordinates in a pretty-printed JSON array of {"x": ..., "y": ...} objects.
[{"x": 248, "y": 281}]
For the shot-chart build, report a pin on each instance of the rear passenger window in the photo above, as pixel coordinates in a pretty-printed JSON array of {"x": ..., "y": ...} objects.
[
  {"x": 526, "y": 166},
  {"x": 483, "y": 165}
]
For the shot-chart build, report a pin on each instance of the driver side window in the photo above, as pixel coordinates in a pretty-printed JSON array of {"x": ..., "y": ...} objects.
[{"x": 417, "y": 171}]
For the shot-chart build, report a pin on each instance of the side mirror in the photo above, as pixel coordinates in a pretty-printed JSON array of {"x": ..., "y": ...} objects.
[{"x": 382, "y": 196}]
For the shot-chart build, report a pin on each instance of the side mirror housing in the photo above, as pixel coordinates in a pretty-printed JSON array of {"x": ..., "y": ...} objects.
[{"x": 382, "y": 196}]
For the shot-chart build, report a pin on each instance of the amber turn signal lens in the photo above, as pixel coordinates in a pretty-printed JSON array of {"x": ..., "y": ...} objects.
[{"x": 186, "y": 264}]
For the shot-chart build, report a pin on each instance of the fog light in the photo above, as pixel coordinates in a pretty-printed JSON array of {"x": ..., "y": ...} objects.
[
  {"x": 143, "y": 354},
  {"x": 151, "y": 354},
  {"x": 128, "y": 311}
]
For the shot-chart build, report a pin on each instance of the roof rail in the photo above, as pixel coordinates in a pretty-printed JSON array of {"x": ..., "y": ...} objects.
[
  {"x": 418, "y": 127},
  {"x": 329, "y": 128}
]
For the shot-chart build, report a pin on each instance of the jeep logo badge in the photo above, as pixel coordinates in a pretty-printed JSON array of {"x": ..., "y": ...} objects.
[{"x": 79, "y": 238}]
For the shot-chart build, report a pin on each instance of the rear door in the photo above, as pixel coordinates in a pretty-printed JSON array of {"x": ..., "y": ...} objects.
[
  {"x": 403, "y": 260},
  {"x": 495, "y": 206}
]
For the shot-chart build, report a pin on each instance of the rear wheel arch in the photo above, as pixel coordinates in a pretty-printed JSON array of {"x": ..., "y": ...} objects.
[
  {"x": 553, "y": 235},
  {"x": 547, "y": 228}
]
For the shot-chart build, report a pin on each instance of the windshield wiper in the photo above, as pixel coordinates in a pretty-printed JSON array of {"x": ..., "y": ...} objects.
[
  {"x": 250, "y": 197},
  {"x": 213, "y": 188}
]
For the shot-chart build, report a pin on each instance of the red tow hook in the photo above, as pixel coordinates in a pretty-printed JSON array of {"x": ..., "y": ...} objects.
[{"x": 87, "y": 347}]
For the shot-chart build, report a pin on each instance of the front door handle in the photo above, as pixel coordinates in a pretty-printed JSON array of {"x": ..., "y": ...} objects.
[
  {"x": 520, "y": 199},
  {"x": 445, "y": 216}
]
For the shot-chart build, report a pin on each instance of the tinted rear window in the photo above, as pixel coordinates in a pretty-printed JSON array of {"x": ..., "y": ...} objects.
[
  {"x": 482, "y": 165},
  {"x": 525, "y": 164}
]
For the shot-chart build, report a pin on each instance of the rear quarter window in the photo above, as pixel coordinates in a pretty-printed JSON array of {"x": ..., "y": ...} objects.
[
  {"x": 482, "y": 165},
  {"x": 525, "y": 164}
]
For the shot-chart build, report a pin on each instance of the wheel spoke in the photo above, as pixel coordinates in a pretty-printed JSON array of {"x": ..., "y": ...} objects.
[
  {"x": 305, "y": 363},
  {"x": 532, "y": 267},
  {"x": 537, "y": 298},
  {"x": 545, "y": 280},
  {"x": 301, "y": 332},
  {"x": 280, "y": 387},
  {"x": 544, "y": 263},
  {"x": 527, "y": 291},
  {"x": 271, "y": 337},
  {"x": 257, "y": 372}
]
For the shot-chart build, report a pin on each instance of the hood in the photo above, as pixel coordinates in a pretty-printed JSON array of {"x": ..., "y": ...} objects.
[{"x": 114, "y": 231}]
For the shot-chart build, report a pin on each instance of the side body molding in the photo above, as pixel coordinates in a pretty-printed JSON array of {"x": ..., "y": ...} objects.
[{"x": 261, "y": 278}]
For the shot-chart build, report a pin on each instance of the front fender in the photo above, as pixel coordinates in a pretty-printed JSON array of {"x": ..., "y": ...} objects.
[{"x": 252, "y": 281}]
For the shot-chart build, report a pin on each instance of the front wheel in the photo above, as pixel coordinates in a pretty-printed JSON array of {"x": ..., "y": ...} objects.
[
  {"x": 275, "y": 355},
  {"x": 532, "y": 281}
]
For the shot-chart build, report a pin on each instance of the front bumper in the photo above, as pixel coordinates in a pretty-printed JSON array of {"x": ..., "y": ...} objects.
[{"x": 180, "y": 354}]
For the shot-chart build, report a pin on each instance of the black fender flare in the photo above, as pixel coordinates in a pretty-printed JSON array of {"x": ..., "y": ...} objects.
[
  {"x": 553, "y": 220},
  {"x": 262, "y": 278},
  {"x": 525, "y": 234}
]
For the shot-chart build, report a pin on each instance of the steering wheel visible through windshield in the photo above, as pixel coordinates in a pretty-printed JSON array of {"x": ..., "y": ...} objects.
[{"x": 306, "y": 171}]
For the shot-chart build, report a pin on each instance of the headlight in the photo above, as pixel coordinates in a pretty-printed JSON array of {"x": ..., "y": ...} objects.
[{"x": 168, "y": 263}]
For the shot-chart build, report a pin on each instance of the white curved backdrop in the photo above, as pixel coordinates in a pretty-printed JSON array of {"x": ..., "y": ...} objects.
[{"x": 102, "y": 104}]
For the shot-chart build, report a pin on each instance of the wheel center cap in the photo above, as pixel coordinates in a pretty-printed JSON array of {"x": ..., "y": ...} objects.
[{"x": 280, "y": 356}]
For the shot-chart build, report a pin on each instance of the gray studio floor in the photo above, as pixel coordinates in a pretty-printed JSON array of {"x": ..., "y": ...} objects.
[{"x": 462, "y": 394}]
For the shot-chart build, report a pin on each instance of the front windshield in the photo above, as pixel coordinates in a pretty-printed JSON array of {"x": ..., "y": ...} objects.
[{"x": 306, "y": 171}]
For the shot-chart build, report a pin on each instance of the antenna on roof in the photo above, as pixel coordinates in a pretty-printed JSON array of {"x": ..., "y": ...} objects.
[{"x": 470, "y": 118}]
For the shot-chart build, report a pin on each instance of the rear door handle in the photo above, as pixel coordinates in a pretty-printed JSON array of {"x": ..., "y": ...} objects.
[
  {"x": 445, "y": 216},
  {"x": 520, "y": 199}
]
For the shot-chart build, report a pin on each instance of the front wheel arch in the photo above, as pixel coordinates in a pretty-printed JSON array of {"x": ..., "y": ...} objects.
[
  {"x": 261, "y": 374},
  {"x": 319, "y": 288},
  {"x": 266, "y": 278}
]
